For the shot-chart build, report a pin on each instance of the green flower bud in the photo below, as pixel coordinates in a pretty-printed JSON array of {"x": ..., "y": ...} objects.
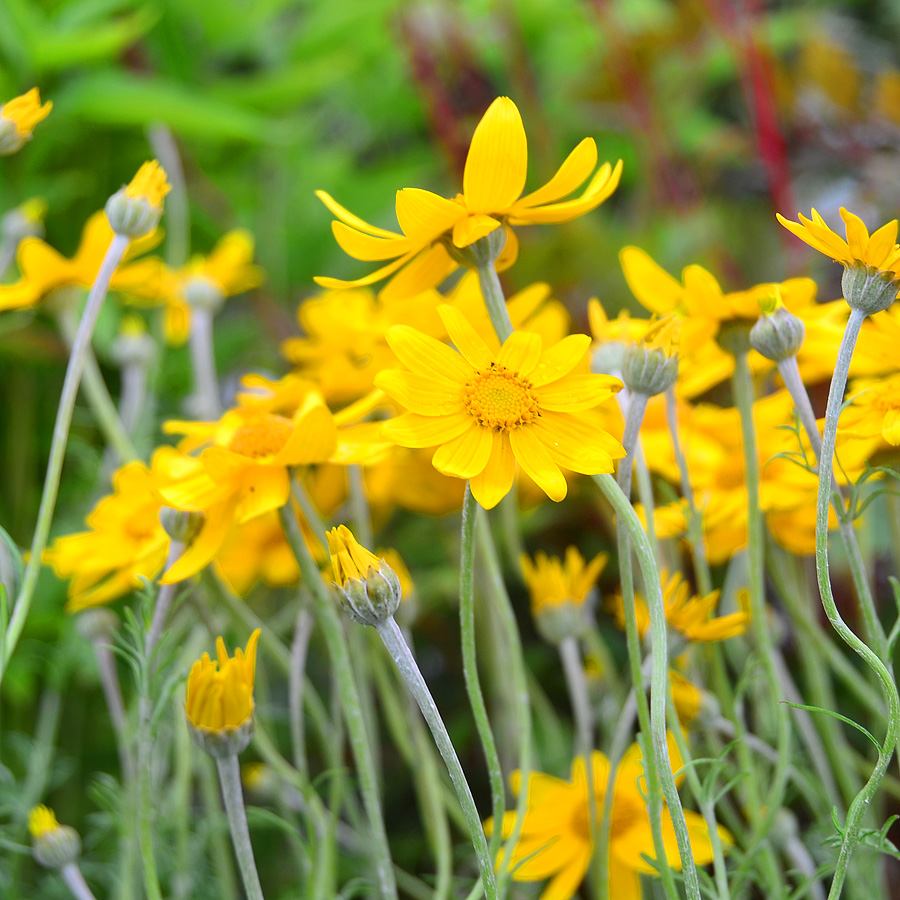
[
  {"x": 52, "y": 845},
  {"x": 778, "y": 335},
  {"x": 223, "y": 742},
  {"x": 132, "y": 217},
  {"x": 483, "y": 252},
  {"x": 201, "y": 293},
  {"x": 179, "y": 524},
  {"x": 869, "y": 289}
]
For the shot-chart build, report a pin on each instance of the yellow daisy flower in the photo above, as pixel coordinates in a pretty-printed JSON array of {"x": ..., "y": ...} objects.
[
  {"x": 874, "y": 411},
  {"x": 18, "y": 118},
  {"x": 487, "y": 411},
  {"x": 555, "y": 836},
  {"x": 220, "y": 692},
  {"x": 689, "y": 615},
  {"x": 552, "y": 582},
  {"x": 494, "y": 178},
  {"x": 42, "y": 821}
]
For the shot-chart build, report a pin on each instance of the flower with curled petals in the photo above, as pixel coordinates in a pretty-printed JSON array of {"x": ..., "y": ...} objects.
[
  {"x": 484, "y": 412},
  {"x": 18, "y": 118},
  {"x": 433, "y": 228}
]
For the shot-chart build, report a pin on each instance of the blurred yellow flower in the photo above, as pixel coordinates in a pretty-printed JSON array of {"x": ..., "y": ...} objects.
[
  {"x": 149, "y": 183},
  {"x": 552, "y": 582},
  {"x": 494, "y": 178},
  {"x": 487, "y": 412},
  {"x": 220, "y": 692},
  {"x": 42, "y": 820},
  {"x": 124, "y": 544},
  {"x": 555, "y": 836},
  {"x": 18, "y": 118},
  {"x": 874, "y": 410}
]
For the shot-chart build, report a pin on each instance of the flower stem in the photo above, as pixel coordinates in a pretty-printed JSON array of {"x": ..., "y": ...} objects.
[
  {"x": 77, "y": 358},
  {"x": 390, "y": 634},
  {"x": 582, "y": 713},
  {"x": 470, "y": 663},
  {"x": 232, "y": 795},
  {"x": 659, "y": 761},
  {"x": 790, "y": 374},
  {"x": 359, "y": 505},
  {"x": 694, "y": 518},
  {"x": 178, "y": 226},
  {"x": 203, "y": 362},
  {"x": 862, "y": 800},
  {"x": 112, "y": 693},
  {"x": 328, "y": 621},
  {"x": 299, "y": 647},
  {"x": 492, "y": 291},
  {"x": 163, "y": 603},
  {"x": 71, "y": 875}
]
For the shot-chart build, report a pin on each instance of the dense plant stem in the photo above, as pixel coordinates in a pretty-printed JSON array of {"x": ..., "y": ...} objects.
[
  {"x": 790, "y": 374},
  {"x": 77, "y": 358},
  {"x": 233, "y": 797},
  {"x": 583, "y": 715},
  {"x": 299, "y": 646},
  {"x": 658, "y": 768},
  {"x": 492, "y": 291},
  {"x": 860, "y": 803},
  {"x": 71, "y": 875},
  {"x": 470, "y": 663},
  {"x": 396, "y": 645},
  {"x": 203, "y": 363},
  {"x": 328, "y": 621}
]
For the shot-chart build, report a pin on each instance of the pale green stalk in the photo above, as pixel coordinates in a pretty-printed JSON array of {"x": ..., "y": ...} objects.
[
  {"x": 178, "y": 227},
  {"x": 659, "y": 756},
  {"x": 71, "y": 875},
  {"x": 492, "y": 291},
  {"x": 203, "y": 363},
  {"x": 328, "y": 621},
  {"x": 861, "y": 802},
  {"x": 470, "y": 663},
  {"x": 163, "y": 603},
  {"x": 634, "y": 415},
  {"x": 308, "y": 509},
  {"x": 221, "y": 860},
  {"x": 182, "y": 791},
  {"x": 359, "y": 506},
  {"x": 645, "y": 495},
  {"x": 390, "y": 634},
  {"x": 77, "y": 359},
  {"x": 694, "y": 518},
  {"x": 233, "y": 797},
  {"x": 583, "y": 715},
  {"x": 299, "y": 647},
  {"x": 790, "y": 374},
  {"x": 742, "y": 388}
]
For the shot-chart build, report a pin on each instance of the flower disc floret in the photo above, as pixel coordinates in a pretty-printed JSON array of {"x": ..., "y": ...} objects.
[
  {"x": 261, "y": 437},
  {"x": 499, "y": 398}
]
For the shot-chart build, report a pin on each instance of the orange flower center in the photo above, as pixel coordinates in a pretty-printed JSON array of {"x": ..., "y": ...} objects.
[
  {"x": 260, "y": 437},
  {"x": 499, "y": 398}
]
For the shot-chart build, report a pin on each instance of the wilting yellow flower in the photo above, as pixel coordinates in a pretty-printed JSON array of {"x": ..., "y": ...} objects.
[
  {"x": 227, "y": 271},
  {"x": 493, "y": 182},
  {"x": 879, "y": 251},
  {"x": 43, "y": 270},
  {"x": 555, "y": 837},
  {"x": 42, "y": 820},
  {"x": 551, "y": 582},
  {"x": 349, "y": 559},
  {"x": 220, "y": 692},
  {"x": 489, "y": 411},
  {"x": 125, "y": 543},
  {"x": 689, "y": 615},
  {"x": 18, "y": 118}
]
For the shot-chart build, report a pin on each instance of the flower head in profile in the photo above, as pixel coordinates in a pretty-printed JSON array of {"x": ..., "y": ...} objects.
[
  {"x": 688, "y": 614},
  {"x": 219, "y": 702},
  {"x": 135, "y": 210},
  {"x": 433, "y": 228},
  {"x": 485, "y": 412},
  {"x": 555, "y": 837},
  {"x": 559, "y": 590},
  {"x": 53, "y": 845},
  {"x": 18, "y": 118}
]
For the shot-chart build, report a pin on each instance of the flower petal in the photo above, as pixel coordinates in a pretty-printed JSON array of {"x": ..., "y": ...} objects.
[
  {"x": 336, "y": 284},
  {"x": 535, "y": 459},
  {"x": 465, "y": 337},
  {"x": 575, "y": 168},
  {"x": 425, "y": 216},
  {"x": 413, "y": 430},
  {"x": 264, "y": 488},
  {"x": 365, "y": 247},
  {"x": 426, "y": 355},
  {"x": 574, "y": 446},
  {"x": 653, "y": 286},
  {"x": 857, "y": 234},
  {"x": 565, "y": 885},
  {"x": 467, "y": 455},
  {"x": 828, "y": 243},
  {"x": 624, "y": 882},
  {"x": 576, "y": 392},
  {"x": 882, "y": 243},
  {"x": 702, "y": 291},
  {"x": 314, "y": 435},
  {"x": 470, "y": 229},
  {"x": 216, "y": 526},
  {"x": 510, "y": 252},
  {"x": 420, "y": 393},
  {"x": 353, "y": 221},
  {"x": 424, "y": 272},
  {"x": 560, "y": 359},
  {"x": 521, "y": 352},
  {"x": 497, "y": 162},
  {"x": 496, "y": 480}
]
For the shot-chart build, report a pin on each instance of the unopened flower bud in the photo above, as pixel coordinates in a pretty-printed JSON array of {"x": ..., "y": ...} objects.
[
  {"x": 368, "y": 586},
  {"x": 97, "y": 624},
  {"x": 778, "y": 335},
  {"x": 136, "y": 209},
  {"x": 18, "y": 118},
  {"x": 53, "y": 845},
  {"x": 607, "y": 358},
  {"x": 179, "y": 524},
  {"x": 202, "y": 293},
  {"x": 869, "y": 289},
  {"x": 483, "y": 252},
  {"x": 650, "y": 366},
  {"x": 26, "y": 220},
  {"x": 133, "y": 345}
]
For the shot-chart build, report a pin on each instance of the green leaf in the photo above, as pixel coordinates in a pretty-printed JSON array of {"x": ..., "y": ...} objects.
[{"x": 835, "y": 715}]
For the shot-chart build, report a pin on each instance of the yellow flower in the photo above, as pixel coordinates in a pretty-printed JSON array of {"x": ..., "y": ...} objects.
[
  {"x": 874, "y": 411},
  {"x": 220, "y": 693},
  {"x": 43, "y": 270},
  {"x": 551, "y": 582},
  {"x": 494, "y": 178},
  {"x": 555, "y": 837},
  {"x": 879, "y": 251},
  {"x": 149, "y": 184},
  {"x": 18, "y": 118},
  {"x": 886, "y": 95},
  {"x": 42, "y": 820},
  {"x": 687, "y": 697},
  {"x": 689, "y": 615},
  {"x": 124, "y": 544},
  {"x": 487, "y": 412},
  {"x": 349, "y": 559}
]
